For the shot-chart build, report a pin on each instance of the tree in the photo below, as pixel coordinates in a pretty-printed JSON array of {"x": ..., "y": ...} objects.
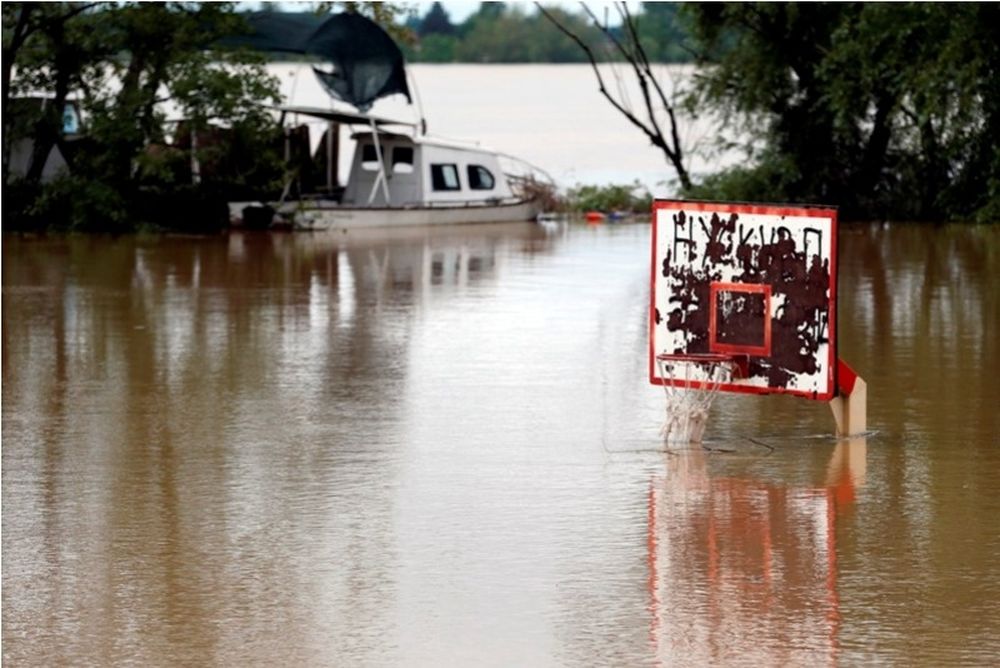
[
  {"x": 497, "y": 32},
  {"x": 437, "y": 38},
  {"x": 436, "y": 22},
  {"x": 129, "y": 63},
  {"x": 436, "y": 48},
  {"x": 29, "y": 30},
  {"x": 883, "y": 109},
  {"x": 501, "y": 34},
  {"x": 662, "y": 28},
  {"x": 491, "y": 10},
  {"x": 655, "y": 101}
]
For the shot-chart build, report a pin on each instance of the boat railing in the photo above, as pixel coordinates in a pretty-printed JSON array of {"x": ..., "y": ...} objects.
[
  {"x": 326, "y": 203},
  {"x": 495, "y": 201}
]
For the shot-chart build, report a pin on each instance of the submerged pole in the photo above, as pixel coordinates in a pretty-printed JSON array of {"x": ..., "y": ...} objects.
[{"x": 850, "y": 406}]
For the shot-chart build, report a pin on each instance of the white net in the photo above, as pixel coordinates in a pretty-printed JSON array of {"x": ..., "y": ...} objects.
[{"x": 691, "y": 383}]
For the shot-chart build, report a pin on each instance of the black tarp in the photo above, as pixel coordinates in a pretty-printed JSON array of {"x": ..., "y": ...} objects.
[{"x": 363, "y": 63}]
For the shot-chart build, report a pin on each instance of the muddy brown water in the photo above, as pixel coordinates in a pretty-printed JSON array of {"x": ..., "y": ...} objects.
[{"x": 440, "y": 447}]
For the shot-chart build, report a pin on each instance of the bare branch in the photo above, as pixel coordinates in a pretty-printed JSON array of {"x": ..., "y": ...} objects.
[
  {"x": 629, "y": 22},
  {"x": 639, "y": 75},
  {"x": 631, "y": 50},
  {"x": 600, "y": 80}
]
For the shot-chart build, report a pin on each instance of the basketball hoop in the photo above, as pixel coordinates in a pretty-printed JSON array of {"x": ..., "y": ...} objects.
[
  {"x": 717, "y": 292},
  {"x": 691, "y": 382}
]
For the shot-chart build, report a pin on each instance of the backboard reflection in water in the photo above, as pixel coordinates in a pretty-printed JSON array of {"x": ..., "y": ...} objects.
[{"x": 742, "y": 569}]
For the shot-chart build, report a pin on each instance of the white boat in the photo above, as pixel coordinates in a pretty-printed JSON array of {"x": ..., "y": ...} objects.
[
  {"x": 400, "y": 178},
  {"x": 397, "y": 177}
]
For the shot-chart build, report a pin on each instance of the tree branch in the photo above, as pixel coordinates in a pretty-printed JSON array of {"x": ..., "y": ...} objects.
[
  {"x": 643, "y": 84},
  {"x": 629, "y": 22},
  {"x": 600, "y": 80},
  {"x": 634, "y": 54}
]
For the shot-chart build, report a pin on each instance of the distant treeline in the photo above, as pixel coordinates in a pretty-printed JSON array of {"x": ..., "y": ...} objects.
[
  {"x": 886, "y": 110},
  {"x": 515, "y": 33}
]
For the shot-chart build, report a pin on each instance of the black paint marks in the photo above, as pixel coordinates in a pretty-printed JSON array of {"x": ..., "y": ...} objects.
[
  {"x": 739, "y": 318},
  {"x": 711, "y": 249}
]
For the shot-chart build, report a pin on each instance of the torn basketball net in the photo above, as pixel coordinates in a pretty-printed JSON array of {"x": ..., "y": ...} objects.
[{"x": 691, "y": 382}]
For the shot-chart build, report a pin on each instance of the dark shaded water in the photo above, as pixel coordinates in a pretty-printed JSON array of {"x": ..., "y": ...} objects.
[{"x": 440, "y": 448}]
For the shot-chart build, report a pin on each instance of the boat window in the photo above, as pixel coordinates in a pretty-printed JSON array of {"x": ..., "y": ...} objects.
[
  {"x": 480, "y": 178},
  {"x": 402, "y": 160},
  {"x": 369, "y": 158},
  {"x": 444, "y": 177}
]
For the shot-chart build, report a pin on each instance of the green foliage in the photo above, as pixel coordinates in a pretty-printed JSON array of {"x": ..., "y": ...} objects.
[
  {"x": 768, "y": 181},
  {"x": 74, "y": 203},
  {"x": 516, "y": 33},
  {"x": 436, "y": 22},
  {"x": 664, "y": 32},
  {"x": 394, "y": 17},
  {"x": 514, "y": 36},
  {"x": 131, "y": 63},
  {"x": 882, "y": 109},
  {"x": 629, "y": 198},
  {"x": 437, "y": 48}
]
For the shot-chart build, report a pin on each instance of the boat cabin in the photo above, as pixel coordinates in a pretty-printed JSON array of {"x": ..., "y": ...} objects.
[
  {"x": 396, "y": 178},
  {"x": 401, "y": 170}
]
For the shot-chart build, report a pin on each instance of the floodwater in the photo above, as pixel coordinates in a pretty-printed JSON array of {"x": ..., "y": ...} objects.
[{"x": 439, "y": 447}]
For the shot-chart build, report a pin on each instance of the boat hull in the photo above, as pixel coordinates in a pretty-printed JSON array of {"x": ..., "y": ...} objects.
[{"x": 306, "y": 215}]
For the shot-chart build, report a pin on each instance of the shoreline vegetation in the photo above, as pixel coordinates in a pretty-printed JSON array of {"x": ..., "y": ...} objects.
[
  {"x": 888, "y": 111},
  {"x": 515, "y": 33}
]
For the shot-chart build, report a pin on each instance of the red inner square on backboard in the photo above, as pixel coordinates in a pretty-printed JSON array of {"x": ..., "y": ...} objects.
[{"x": 740, "y": 318}]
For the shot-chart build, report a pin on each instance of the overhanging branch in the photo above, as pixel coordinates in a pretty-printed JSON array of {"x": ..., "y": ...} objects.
[
  {"x": 597, "y": 72},
  {"x": 635, "y": 55}
]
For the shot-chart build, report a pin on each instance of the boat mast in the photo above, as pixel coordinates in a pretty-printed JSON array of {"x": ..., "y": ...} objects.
[
  {"x": 422, "y": 125},
  {"x": 332, "y": 155}
]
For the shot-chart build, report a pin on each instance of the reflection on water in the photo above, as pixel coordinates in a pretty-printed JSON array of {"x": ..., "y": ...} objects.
[
  {"x": 427, "y": 447},
  {"x": 735, "y": 560}
]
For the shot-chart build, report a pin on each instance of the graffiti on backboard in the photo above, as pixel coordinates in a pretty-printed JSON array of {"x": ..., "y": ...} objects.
[{"x": 747, "y": 267}]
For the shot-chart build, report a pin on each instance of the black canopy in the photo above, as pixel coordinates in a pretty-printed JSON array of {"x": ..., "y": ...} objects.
[{"x": 366, "y": 63}]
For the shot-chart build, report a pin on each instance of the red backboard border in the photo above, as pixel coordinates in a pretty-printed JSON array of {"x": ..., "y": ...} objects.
[{"x": 799, "y": 210}]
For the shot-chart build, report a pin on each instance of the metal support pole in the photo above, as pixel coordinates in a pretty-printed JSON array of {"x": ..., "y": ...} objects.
[
  {"x": 850, "y": 406},
  {"x": 332, "y": 154},
  {"x": 381, "y": 168}
]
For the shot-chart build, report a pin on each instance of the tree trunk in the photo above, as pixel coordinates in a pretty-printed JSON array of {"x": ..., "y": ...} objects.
[
  {"x": 48, "y": 128},
  {"x": 124, "y": 145},
  {"x": 10, "y": 48},
  {"x": 869, "y": 175},
  {"x": 635, "y": 56}
]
